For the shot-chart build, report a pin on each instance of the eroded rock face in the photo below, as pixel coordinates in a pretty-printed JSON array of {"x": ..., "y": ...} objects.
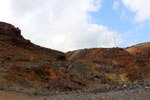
[{"x": 9, "y": 30}]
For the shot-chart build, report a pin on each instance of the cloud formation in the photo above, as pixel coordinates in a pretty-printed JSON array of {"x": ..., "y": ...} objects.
[
  {"x": 116, "y": 5},
  {"x": 58, "y": 24},
  {"x": 140, "y": 7}
]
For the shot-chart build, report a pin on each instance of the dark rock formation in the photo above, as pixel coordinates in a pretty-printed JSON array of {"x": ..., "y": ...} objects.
[{"x": 9, "y": 30}]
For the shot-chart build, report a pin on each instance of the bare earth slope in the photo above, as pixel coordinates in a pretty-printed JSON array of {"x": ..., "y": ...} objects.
[
  {"x": 141, "y": 50},
  {"x": 133, "y": 62},
  {"x": 25, "y": 66},
  {"x": 30, "y": 69}
]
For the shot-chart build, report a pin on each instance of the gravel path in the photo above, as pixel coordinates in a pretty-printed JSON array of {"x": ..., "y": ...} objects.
[
  {"x": 137, "y": 94},
  {"x": 141, "y": 94},
  {"x": 136, "y": 91}
]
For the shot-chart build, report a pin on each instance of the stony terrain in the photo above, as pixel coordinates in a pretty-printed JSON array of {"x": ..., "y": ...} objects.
[
  {"x": 135, "y": 91},
  {"x": 34, "y": 70}
]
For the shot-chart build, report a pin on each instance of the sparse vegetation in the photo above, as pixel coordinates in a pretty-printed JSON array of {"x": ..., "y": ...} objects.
[
  {"x": 28, "y": 68},
  {"x": 2, "y": 83}
]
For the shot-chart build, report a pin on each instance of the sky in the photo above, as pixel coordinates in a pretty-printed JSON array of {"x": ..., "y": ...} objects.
[{"x": 68, "y": 25}]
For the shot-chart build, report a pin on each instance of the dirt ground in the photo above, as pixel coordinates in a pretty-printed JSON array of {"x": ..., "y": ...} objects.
[
  {"x": 137, "y": 94},
  {"x": 17, "y": 96}
]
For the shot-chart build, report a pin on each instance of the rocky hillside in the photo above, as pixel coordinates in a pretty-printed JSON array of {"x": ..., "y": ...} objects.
[
  {"x": 13, "y": 44},
  {"x": 29, "y": 68},
  {"x": 99, "y": 54},
  {"x": 141, "y": 50},
  {"x": 26, "y": 67},
  {"x": 132, "y": 63}
]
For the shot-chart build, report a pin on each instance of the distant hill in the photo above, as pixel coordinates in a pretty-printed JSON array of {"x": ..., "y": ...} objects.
[{"x": 99, "y": 53}]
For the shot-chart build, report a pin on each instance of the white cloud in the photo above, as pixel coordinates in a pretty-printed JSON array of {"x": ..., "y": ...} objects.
[
  {"x": 140, "y": 27},
  {"x": 124, "y": 16},
  {"x": 58, "y": 24},
  {"x": 116, "y": 5},
  {"x": 140, "y": 7}
]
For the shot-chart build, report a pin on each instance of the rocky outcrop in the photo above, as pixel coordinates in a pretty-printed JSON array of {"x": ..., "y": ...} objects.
[
  {"x": 13, "y": 43},
  {"x": 9, "y": 30}
]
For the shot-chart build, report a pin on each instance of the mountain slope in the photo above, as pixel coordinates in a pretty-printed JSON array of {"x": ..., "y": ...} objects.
[
  {"x": 29, "y": 68},
  {"x": 141, "y": 50},
  {"x": 25, "y": 65},
  {"x": 13, "y": 43}
]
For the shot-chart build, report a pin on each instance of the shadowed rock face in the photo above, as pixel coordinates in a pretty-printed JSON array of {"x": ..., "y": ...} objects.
[
  {"x": 9, "y": 30},
  {"x": 27, "y": 67}
]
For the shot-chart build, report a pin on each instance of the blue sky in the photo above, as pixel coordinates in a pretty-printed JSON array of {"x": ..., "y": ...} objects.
[
  {"x": 76, "y": 24},
  {"x": 131, "y": 32}
]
